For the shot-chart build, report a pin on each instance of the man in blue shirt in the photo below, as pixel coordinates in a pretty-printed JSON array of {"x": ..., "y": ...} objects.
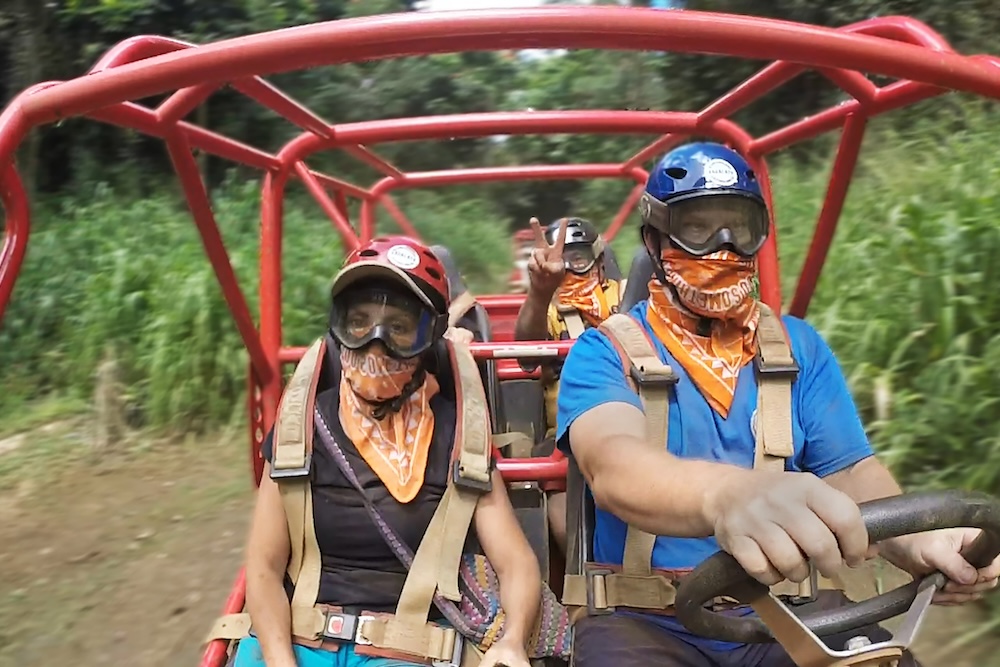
[{"x": 704, "y": 220}]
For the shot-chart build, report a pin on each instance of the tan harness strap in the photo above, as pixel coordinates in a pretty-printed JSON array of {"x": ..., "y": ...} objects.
[
  {"x": 574, "y": 322},
  {"x": 436, "y": 563},
  {"x": 460, "y": 305},
  {"x": 292, "y": 456},
  {"x": 636, "y": 585},
  {"x": 776, "y": 370},
  {"x": 520, "y": 444},
  {"x": 652, "y": 379}
]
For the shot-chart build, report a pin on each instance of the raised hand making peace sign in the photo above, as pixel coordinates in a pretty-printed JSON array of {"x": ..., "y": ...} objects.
[{"x": 546, "y": 267}]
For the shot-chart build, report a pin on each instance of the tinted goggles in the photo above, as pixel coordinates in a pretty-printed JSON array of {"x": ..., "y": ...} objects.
[
  {"x": 404, "y": 324},
  {"x": 703, "y": 224}
]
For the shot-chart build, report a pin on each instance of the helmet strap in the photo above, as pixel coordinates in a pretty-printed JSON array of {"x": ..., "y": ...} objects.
[{"x": 381, "y": 409}]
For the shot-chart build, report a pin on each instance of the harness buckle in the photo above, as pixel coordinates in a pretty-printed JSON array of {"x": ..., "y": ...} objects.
[
  {"x": 456, "y": 653},
  {"x": 592, "y": 576},
  {"x": 359, "y": 628},
  {"x": 468, "y": 483},
  {"x": 776, "y": 369},
  {"x": 340, "y": 626},
  {"x": 293, "y": 473},
  {"x": 661, "y": 377}
]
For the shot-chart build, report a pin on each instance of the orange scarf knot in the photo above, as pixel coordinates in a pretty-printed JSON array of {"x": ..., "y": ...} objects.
[
  {"x": 396, "y": 446},
  {"x": 718, "y": 286}
]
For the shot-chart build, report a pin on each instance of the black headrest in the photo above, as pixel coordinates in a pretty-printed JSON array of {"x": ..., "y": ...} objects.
[
  {"x": 456, "y": 285},
  {"x": 612, "y": 270},
  {"x": 637, "y": 288}
]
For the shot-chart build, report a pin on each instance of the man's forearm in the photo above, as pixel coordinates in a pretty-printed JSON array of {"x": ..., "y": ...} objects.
[
  {"x": 532, "y": 319},
  {"x": 659, "y": 493}
]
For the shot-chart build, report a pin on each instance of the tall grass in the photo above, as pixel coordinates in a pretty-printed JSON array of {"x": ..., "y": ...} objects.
[
  {"x": 131, "y": 278},
  {"x": 909, "y": 299}
]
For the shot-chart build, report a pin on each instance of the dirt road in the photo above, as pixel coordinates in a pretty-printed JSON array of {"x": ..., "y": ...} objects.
[{"x": 127, "y": 560}]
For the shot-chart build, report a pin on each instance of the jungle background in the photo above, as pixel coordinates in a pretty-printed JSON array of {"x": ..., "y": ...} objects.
[{"x": 116, "y": 277}]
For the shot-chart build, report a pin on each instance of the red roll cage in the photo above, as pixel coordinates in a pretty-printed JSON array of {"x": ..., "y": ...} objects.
[{"x": 920, "y": 60}]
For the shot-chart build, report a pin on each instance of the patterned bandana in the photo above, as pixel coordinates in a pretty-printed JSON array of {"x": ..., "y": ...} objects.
[
  {"x": 718, "y": 286},
  {"x": 396, "y": 446},
  {"x": 586, "y": 294}
]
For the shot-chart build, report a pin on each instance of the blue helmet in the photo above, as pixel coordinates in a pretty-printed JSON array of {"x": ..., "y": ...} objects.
[
  {"x": 702, "y": 168},
  {"x": 704, "y": 196}
]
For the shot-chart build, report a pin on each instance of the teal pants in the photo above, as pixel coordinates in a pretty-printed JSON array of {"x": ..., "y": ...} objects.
[{"x": 248, "y": 654}]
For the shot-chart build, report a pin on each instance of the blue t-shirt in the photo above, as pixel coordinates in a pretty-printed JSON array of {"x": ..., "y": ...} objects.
[{"x": 826, "y": 428}]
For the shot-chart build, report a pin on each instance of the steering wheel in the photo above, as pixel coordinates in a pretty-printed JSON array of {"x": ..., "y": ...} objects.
[{"x": 722, "y": 575}]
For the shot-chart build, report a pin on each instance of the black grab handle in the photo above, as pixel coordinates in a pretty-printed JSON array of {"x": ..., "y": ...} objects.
[{"x": 722, "y": 575}]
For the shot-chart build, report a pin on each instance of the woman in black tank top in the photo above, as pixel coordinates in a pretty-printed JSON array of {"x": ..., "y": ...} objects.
[{"x": 392, "y": 413}]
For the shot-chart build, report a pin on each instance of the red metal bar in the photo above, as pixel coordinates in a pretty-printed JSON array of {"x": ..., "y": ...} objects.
[
  {"x": 373, "y": 159},
  {"x": 144, "y": 120},
  {"x": 389, "y": 204},
  {"x": 271, "y": 97},
  {"x": 201, "y": 211},
  {"x": 599, "y": 27},
  {"x": 342, "y": 186},
  {"x": 840, "y": 182},
  {"x": 255, "y": 409},
  {"x": 341, "y": 201},
  {"x": 753, "y": 88},
  {"x": 661, "y": 145},
  {"x": 18, "y": 228},
  {"x": 538, "y": 469},
  {"x": 367, "y": 219},
  {"x": 271, "y": 226},
  {"x": 427, "y": 179},
  {"x": 215, "y": 652},
  {"x": 138, "y": 48},
  {"x": 627, "y": 208},
  {"x": 183, "y": 102},
  {"x": 340, "y": 223},
  {"x": 855, "y": 84}
]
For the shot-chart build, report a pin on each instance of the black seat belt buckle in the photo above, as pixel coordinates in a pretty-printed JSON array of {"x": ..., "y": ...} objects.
[
  {"x": 781, "y": 370},
  {"x": 468, "y": 483},
  {"x": 340, "y": 626},
  {"x": 591, "y": 575},
  {"x": 293, "y": 473}
]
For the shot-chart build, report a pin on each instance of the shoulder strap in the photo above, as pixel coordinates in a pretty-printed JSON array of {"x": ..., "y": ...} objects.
[
  {"x": 652, "y": 379},
  {"x": 572, "y": 319},
  {"x": 292, "y": 442},
  {"x": 636, "y": 585},
  {"x": 776, "y": 371}
]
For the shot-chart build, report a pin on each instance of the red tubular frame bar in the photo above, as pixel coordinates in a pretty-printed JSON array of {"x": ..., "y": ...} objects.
[{"x": 922, "y": 61}]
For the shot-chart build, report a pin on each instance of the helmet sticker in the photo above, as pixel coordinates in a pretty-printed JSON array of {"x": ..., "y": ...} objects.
[
  {"x": 404, "y": 257},
  {"x": 719, "y": 174}
]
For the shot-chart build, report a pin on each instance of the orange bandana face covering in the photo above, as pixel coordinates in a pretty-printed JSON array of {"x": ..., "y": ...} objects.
[
  {"x": 395, "y": 446},
  {"x": 586, "y": 295},
  {"x": 718, "y": 286}
]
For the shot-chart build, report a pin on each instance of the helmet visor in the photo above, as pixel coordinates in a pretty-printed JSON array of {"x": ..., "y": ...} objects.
[
  {"x": 579, "y": 258},
  {"x": 399, "y": 319},
  {"x": 703, "y": 225}
]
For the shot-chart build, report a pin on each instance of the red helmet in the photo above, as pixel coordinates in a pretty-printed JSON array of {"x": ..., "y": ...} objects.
[
  {"x": 402, "y": 259},
  {"x": 407, "y": 263}
]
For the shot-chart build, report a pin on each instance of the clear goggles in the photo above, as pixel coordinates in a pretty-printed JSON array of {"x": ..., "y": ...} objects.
[
  {"x": 404, "y": 324},
  {"x": 703, "y": 224},
  {"x": 579, "y": 258}
]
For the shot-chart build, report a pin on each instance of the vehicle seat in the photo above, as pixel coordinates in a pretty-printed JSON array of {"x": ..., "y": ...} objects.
[
  {"x": 477, "y": 321},
  {"x": 612, "y": 269},
  {"x": 637, "y": 288}
]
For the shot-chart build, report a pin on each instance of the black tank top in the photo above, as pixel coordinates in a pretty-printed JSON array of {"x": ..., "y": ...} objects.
[{"x": 360, "y": 571}]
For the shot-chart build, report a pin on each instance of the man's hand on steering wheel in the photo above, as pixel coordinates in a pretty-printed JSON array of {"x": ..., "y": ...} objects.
[
  {"x": 771, "y": 523},
  {"x": 923, "y": 553}
]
